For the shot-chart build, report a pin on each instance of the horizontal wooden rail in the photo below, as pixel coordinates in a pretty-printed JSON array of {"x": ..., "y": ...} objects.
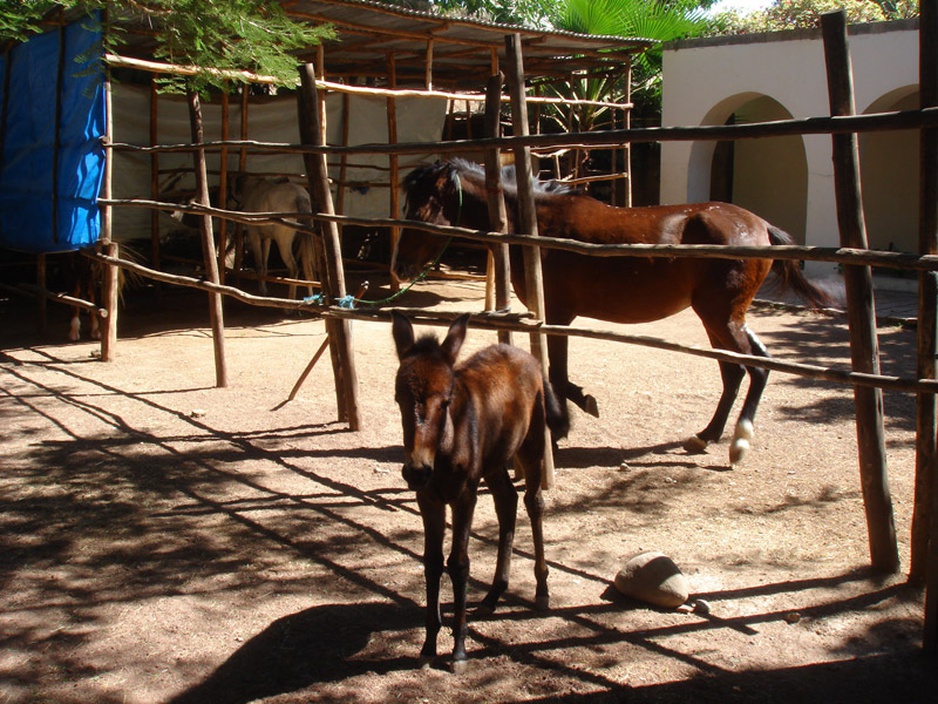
[
  {"x": 840, "y": 255},
  {"x": 524, "y": 323},
  {"x": 875, "y": 122}
]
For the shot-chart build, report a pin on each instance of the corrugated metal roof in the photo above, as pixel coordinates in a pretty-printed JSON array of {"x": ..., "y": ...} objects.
[{"x": 462, "y": 50}]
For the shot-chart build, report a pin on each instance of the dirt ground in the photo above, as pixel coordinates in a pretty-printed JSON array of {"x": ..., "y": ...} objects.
[{"x": 167, "y": 541}]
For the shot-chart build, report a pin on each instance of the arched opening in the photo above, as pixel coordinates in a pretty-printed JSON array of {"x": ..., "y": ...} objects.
[
  {"x": 889, "y": 171},
  {"x": 768, "y": 176}
]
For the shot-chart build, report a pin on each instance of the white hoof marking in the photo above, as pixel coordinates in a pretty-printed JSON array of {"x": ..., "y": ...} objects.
[{"x": 741, "y": 441}]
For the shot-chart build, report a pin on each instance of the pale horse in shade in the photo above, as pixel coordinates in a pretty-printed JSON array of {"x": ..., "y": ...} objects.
[{"x": 255, "y": 194}]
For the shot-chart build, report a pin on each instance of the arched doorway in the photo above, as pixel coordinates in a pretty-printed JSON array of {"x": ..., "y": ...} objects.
[
  {"x": 889, "y": 172},
  {"x": 768, "y": 176}
]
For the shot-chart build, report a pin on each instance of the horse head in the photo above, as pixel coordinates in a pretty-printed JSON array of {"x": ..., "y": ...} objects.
[
  {"x": 423, "y": 392},
  {"x": 434, "y": 194}
]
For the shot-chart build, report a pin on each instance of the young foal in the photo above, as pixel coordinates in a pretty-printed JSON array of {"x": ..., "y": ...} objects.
[{"x": 463, "y": 423}]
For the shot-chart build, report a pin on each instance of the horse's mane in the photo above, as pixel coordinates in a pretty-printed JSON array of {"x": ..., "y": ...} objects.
[{"x": 457, "y": 169}]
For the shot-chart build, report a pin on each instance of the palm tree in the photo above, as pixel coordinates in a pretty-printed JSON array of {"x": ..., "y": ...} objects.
[{"x": 662, "y": 20}]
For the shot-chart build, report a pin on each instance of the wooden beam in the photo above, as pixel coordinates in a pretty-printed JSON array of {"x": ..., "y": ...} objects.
[
  {"x": 498, "y": 217},
  {"x": 216, "y": 312},
  {"x": 527, "y": 223},
  {"x": 343, "y": 358},
  {"x": 924, "y": 567},
  {"x": 861, "y": 314}
]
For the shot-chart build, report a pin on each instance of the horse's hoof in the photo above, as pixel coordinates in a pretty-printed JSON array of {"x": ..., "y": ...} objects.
[
  {"x": 425, "y": 662},
  {"x": 742, "y": 442},
  {"x": 590, "y": 406},
  {"x": 695, "y": 445},
  {"x": 542, "y": 603},
  {"x": 738, "y": 451},
  {"x": 459, "y": 666},
  {"x": 484, "y": 609}
]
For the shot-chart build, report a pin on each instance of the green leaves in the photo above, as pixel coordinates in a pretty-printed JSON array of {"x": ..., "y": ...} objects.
[
  {"x": 218, "y": 37},
  {"x": 223, "y": 37}
]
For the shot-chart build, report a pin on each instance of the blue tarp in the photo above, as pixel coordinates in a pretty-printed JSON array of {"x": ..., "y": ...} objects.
[{"x": 39, "y": 181}]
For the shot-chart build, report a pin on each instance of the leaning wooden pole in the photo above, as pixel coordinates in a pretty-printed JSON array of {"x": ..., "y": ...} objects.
[
  {"x": 861, "y": 314},
  {"x": 527, "y": 221},
  {"x": 333, "y": 276},
  {"x": 925, "y": 512},
  {"x": 216, "y": 312},
  {"x": 498, "y": 217}
]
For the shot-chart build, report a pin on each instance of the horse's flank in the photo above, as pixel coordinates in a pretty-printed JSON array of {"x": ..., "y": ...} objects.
[{"x": 626, "y": 289}]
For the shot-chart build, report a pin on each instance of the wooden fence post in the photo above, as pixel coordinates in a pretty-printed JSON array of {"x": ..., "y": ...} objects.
[
  {"x": 861, "y": 315},
  {"x": 924, "y": 562},
  {"x": 527, "y": 222},
  {"x": 216, "y": 311},
  {"x": 496, "y": 201},
  {"x": 317, "y": 174}
]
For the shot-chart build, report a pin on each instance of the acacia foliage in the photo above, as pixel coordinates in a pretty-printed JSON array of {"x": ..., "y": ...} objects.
[{"x": 220, "y": 37}]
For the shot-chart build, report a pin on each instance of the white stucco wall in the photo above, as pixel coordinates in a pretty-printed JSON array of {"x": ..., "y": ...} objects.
[{"x": 706, "y": 81}]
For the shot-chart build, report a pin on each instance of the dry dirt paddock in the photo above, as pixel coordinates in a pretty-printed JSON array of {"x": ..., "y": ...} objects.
[{"x": 167, "y": 541}]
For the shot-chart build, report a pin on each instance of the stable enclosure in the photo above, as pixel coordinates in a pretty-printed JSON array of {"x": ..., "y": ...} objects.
[{"x": 853, "y": 254}]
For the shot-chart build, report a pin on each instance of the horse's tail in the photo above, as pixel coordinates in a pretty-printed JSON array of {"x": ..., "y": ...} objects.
[
  {"x": 558, "y": 420},
  {"x": 791, "y": 276},
  {"x": 304, "y": 239}
]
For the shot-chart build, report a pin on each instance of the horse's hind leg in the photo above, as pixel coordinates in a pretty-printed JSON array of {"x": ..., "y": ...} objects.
[
  {"x": 284, "y": 237},
  {"x": 534, "y": 504},
  {"x": 758, "y": 377},
  {"x": 506, "y": 509},
  {"x": 746, "y": 342},
  {"x": 732, "y": 375},
  {"x": 531, "y": 459},
  {"x": 558, "y": 353}
]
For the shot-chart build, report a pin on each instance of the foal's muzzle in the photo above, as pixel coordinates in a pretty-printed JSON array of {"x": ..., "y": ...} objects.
[{"x": 416, "y": 477}]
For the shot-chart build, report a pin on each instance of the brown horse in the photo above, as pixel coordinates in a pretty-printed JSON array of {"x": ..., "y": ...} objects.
[
  {"x": 462, "y": 424},
  {"x": 619, "y": 289}
]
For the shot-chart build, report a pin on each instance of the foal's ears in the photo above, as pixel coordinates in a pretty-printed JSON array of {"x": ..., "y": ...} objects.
[
  {"x": 403, "y": 332},
  {"x": 454, "y": 338}
]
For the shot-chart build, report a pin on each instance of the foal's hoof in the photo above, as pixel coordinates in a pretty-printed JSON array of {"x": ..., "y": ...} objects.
[
  {"x": 459, "y": 666},
  {"x": 425, "y": 662},
  {"x": 742, "y": 442},
  {"x": 542, "y": 603},
  {"x": 590, "y": 406},
  {"x": 483, "y": 609},
  {"x": 695, "y": 445}
]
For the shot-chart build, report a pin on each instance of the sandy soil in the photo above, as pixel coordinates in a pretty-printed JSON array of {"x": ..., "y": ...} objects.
[{"x": 167, "y": 541}]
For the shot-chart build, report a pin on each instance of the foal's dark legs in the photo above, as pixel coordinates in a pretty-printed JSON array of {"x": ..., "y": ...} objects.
[
  {"x": 458, "y": 566},
  {"x": 433, "y": 514},
  {"x": 506, "y": 509}
]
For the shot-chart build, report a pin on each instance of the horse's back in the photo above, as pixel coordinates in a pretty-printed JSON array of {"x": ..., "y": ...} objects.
[
  {"x": 506, "y": 386},
  {"x": 585, "y": 219}
]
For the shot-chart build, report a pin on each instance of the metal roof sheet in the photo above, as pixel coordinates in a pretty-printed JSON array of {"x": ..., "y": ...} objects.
[{"x": 463, "y": 51}]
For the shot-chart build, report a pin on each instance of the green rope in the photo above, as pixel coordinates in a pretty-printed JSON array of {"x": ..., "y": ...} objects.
[{"x": 351, "y": 301}]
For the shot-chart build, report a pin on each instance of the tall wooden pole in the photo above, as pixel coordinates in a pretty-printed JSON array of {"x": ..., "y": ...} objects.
[
  {"x": 498, "y": 218},
  {"x": 861, "y": 314},
  {"x": 393, "y": 160},
  {"x": 925, "y": 512},
  {"x": 527, "y": 221},
  {"x": 333, "y": 276},
  {"x": 112, "y": 273},
  {"x": 216, "y": 312}
]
